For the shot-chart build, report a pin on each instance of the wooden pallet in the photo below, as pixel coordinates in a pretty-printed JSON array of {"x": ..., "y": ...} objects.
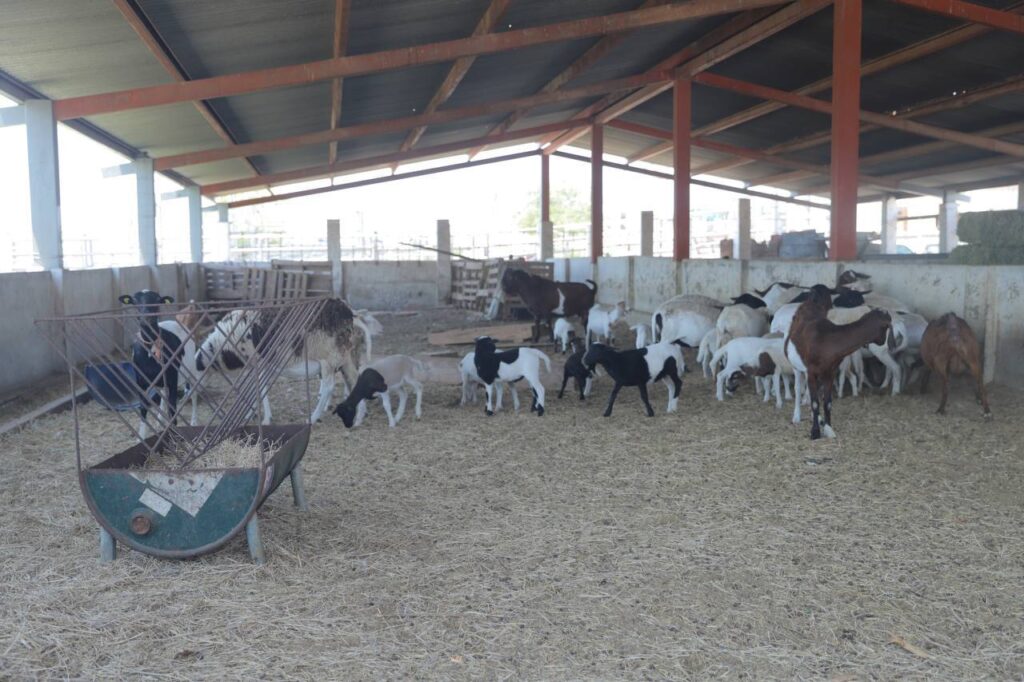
[{"x": 234, "y": 283}]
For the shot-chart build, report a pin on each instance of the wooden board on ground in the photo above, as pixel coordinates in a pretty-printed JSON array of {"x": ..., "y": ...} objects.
[{"x": 502, "y": 333}]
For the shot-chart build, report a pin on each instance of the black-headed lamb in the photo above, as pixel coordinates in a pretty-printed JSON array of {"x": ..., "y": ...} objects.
[
  {"x": 509, "y": 366},
  {"x": 640, "y": 367},
  {"x": 390, "y": 374},
  {"x": 575, "y": 369}
]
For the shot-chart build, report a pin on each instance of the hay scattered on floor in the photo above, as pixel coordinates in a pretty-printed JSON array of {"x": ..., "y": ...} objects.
[
  {"x": 244, "y": 452},
  {"x": 715, "y": 542}
]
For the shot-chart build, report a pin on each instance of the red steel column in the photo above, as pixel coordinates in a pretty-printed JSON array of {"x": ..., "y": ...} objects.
[
  {"x": 545, "y": 188},
  {"x": 846, "y": 36},
  {"x": 596, "y": 192},
  {"x": 682, "y": 97}
]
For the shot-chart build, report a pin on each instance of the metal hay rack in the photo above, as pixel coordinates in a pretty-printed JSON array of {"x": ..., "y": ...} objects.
[{"x": 158, "y": 495}]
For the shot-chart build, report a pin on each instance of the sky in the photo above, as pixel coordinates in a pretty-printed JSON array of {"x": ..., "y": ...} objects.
[{"x": 483, "y": 206}]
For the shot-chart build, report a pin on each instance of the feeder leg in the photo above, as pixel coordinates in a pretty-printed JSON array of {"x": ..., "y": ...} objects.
[
  {"x": 108, "y": 546},
  {"x": 252, "y": 536},
  {"x": 298, "y": 488}
]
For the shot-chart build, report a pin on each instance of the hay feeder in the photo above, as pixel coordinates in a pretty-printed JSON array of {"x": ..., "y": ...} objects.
[{"x": 183, "y": 491}]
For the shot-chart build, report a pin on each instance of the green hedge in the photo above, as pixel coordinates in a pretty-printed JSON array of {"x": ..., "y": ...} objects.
[
  {"x": 978, "y": 254},
  {"x": 992, "y": 228}
]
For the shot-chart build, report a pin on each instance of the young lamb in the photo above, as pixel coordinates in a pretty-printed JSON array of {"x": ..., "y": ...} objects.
[
  {"x": 600, "y": 320},
  {"x": 576, "y": 370},
  {"x": 949, "y": 346},
  {"x": 470, "y": 380},
  {"x": 751, "y": 356},
  {"x": 643, "y": 337},
  {"x": 747, "y": 316},
  {"x": 565, "y": 332},
  {"x": 640, "y": 367},
  {"x": 815, "y": 346},
  {"x": 510, "y": 365},
  {"x": 387, "y": 375}
]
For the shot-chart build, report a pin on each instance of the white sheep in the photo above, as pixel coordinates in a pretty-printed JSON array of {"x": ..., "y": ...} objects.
[
  {"x": 643, "y": 337},
  {"x": 752, "y": 356},
  {"x": 397, "y": 372},
  {"x": 779, "y": 294},
  {"x": 470, "y": 380},
  {"x": 747, "y": 316},
  {"x": 600, "y": 320},
  {"x": 564, "y": 332},
  {"x": 686, "y": 318}
]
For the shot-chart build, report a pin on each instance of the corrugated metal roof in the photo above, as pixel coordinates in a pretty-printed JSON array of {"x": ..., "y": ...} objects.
[{"x": 72, "y": 47}]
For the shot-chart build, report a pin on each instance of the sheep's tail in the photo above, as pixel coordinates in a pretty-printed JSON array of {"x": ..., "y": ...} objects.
[
  {"x": 593, "y": 287},
  {"x": 656, "y": 324},
  {"x": 547, "y": 361}
]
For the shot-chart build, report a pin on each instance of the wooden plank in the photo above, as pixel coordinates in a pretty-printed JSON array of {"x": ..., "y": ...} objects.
[{"x": 503, "y": 333}]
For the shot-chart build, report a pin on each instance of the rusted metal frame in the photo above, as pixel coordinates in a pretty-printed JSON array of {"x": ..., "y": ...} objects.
[
  {"x": 1004, "y": 181},
  {"x": 136, "y": 18},
  {"x": 339, "y": 46},
  {"x": 598, "y": 50},
  {"x": 596, "y": 192},
  {"x": 650, "y": 152},
  {"x": 374, "y": 62},
  {"x": 377, "y": 161},
  {"x": 732, "y": 37},
  {"x": 458, "y": 70},
  {"x": 969, "y": 11},
  {"x": 407, "y": 122},
  {"x": 376, "y": 181},
  {"x": 845, "y": 110},
  {"x": 682, "y": 108},
  {"x": 695, "y": 181},
  {"x": 904, "y": 55},
  {"x": 882, "y": 120},
  {"x": 935, "y": 105}
]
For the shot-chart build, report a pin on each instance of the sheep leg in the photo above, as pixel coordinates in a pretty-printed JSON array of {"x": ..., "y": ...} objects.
[
  {"x": 720, "y": 386},
  {"x": 488, "y": 408},
  {"x": 785, "y": 383},
  {"x": 418, "y": 388},
  {"x": 465, "y": 391},
  {"x": 776, "y": 380},
  {"x": 515, "y": 397},
  {"x": 565, "y": 380},
  {"x": 588, "y": 385},
  {"x": 327, "y": 382},
  {"x": 798, "y": 380},
  {"x": 944, "y": 377},
  {"x": 647, "y": 402},
  {"x": 538, "y": 390},
  {"x": 827, "y": 405},
  {"x": 611, "y": 399},
  {"x": 403, "y": 396},
  {"x": 673, "y": 391},
  {"x": 385, "y": 400},
  {"x": 814, "y": 387}
]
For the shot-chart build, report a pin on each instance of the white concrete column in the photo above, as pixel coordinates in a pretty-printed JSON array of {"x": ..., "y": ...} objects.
[
  {"x": 444, "y": 261},
  {"x": 646, "y": 233},
  {"x": 890, "y": 219},
  {"x": 744, "y": 249},
  {"x": 547, "y": 239},
  {"x": 1020, "y": 195},
  {"x": 948, "y": 215},
  {"x": 145, "y": 199},
  {"x": 195, "y": 223},
  {"x": 334, "y": 255},
  {"x": 44, "y": 182}
]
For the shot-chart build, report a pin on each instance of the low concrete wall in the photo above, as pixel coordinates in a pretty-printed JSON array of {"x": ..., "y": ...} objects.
[
  {"x": 25, "y": 355},
  {"x": 391, "y": 284}
]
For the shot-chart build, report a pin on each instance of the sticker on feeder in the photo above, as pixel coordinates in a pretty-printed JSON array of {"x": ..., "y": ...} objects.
[
  {"x": 190, "y": 490},
  {"x": 155, "y": 502}
]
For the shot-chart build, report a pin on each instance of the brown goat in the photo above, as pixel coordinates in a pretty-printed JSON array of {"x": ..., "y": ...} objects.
[
  {"x": 948, "y": 346},
  {"x": 820, "y": 347},
  {"x": 189, "y": 316},
  {"x": 546, "y": 299}
]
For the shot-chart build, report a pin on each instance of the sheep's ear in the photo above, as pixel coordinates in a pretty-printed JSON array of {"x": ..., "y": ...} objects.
[
  {"x": 126, "y": 299},
  {"x": 167, "y": 299}
]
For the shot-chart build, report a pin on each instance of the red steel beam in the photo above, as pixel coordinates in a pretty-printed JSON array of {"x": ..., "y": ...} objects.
[
  {"x": 316, "y": 172},
  {"x": 458, "y": 71},
  {"x": 407, "y": 122},
  {"x": 846, "y": 37},
  {"x": 133, "y": 15},
  {"x": 581, "y": 64},
  {"x": 339, "y": 48},
  {"x": 725, "y": 41},
  {"x": 968, "y": 11},
  {"x": 596, "y": 192},
  {"x": 682, "y": 107},
  {"x": 881, "y": 120},
  {"x": 357, "y": 65}
]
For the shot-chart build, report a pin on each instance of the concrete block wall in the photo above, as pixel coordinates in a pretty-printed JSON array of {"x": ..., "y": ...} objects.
[{"x": 381, "y": 285}]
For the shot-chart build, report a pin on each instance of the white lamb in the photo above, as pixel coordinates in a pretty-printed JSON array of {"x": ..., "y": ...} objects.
[
  {"x": 752, "y": 356},
  {"x": 747, "y": 317},
  {"x": 564, "y": 332},
  {"x": 643, "y": 338},
  {"x": 600, "y": 320}
]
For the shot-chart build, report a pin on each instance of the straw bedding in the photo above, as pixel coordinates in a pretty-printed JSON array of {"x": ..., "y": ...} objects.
[{"x": 716, "y": 542}]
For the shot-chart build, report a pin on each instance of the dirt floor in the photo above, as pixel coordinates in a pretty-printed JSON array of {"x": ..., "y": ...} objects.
[{"x": 714, "y": 542}]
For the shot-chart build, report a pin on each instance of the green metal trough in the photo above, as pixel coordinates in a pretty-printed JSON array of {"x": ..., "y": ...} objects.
[{"x": 183, "y": 513}]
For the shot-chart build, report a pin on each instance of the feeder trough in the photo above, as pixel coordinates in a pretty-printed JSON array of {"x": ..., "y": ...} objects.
[{"x": 180, "y": 513}]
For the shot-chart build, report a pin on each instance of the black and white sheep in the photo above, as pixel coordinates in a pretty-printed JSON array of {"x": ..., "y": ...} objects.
[
  {"x": 640, "y": 367},
  {"x": 510, "y": 366},
  {"x": 390, "y": 374}
]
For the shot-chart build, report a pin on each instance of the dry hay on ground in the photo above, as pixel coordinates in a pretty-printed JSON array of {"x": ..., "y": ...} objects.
[{"x": 718, "y": 541}]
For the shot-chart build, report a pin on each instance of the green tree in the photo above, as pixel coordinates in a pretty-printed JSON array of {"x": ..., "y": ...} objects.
[{"x": 567, "y": 207}]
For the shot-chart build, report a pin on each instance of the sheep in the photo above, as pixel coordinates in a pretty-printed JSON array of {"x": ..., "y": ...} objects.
[
  {"x": 815, "y": 347},
  {"x": 642, "y": 333},
  {"x": 600, "y": 320},
  {"x": 949, "y": 346},
  {"x": 510, "y": 365},
  {"x": 575, "y": 369},
  {"x": 639, "y": 367},
  {"x": 747, "y": 316},
  {"x": 370, "y": 327},
  {"x": 778, "y": 294},
  {"x": 546, "y": 299},
  {"x": 751, "y": 356},
  {"x": 565, "y": 331},
  {"x": 470, "y": 380},
  {"x": 396, "y": 372},
  {"x": 685, "y": 318},
  {"x": 708, "y": 347}
]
